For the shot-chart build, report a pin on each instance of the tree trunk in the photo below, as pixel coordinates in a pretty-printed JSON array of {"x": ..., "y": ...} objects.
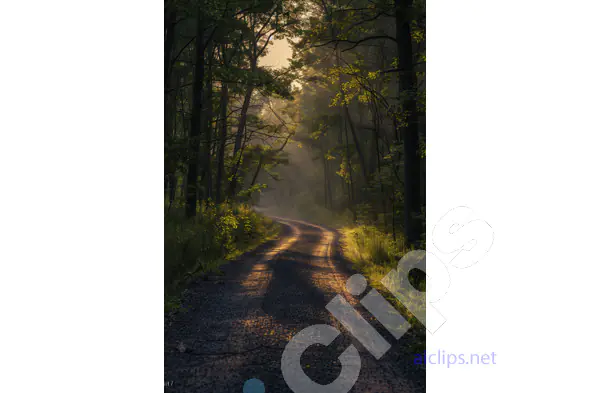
[
  {"x": 357, "y": 145},
  {"x": 351, "y": 200},
  {"x": 169, "y": 28},
  {"x": 376, "y": 137},
  {"x": 221, "y": 143},
  {"x": 172, "y": 191},
  {"x": 208, "y": 126},
  {"x": 243, "y": 118},
  {"x": 325, "y": 162},
  {"x": 260, "y": 162},
  {"x": 238, "y": 148},
  {"x": 195, "y": 128},
  {"x": 407, "y": 78},
  {"x": 169, "y": 98}
]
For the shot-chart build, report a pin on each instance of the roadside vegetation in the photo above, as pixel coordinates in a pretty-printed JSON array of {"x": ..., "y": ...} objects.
[
  {"x": 199, "y": 245},
  {"x": 374, "y": 253}
]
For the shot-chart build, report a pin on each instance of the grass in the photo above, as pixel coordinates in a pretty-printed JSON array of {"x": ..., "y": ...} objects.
[
  {"x": 374, "y": 253},
  {"x": 200, "y": 245}
]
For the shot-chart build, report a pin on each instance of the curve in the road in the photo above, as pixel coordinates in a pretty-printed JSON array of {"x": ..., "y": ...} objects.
[{"x": 236, "y": 327}]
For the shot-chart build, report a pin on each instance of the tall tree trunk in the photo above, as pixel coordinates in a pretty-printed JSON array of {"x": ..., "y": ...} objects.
[
  {"x": 238, "y": 148},
  {"x": 208, "y": 125},
  {"x": 357, "y": 145},
  {"x": 221, "y": 143},
  {"x": 344, "y": 117},
  {"x": 376, "y": 137},
  {"x": 169, "y": 29},
  {"x": 326, "y": 174},
  {"x": 258, "y": 167},
  {"x": 243, "y": 118},
  {"x": 172, "y": 195},
  {"x": 343, "y": 184},
  {"x": 407, "y": 78},
  {"x": 195, "y": 128},
  {"x": 169, "y": 98},
  {"x": 351, "y": 200},
  {"x": 326, "y": 184}
]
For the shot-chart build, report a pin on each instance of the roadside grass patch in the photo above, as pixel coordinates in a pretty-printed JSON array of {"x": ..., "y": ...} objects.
[
  {"x": 374, "y": 253},
  {"x": 200, "y": 245}
]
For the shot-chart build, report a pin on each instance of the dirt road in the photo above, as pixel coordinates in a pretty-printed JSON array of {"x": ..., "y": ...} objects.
[{"x": 235, "y": 326}]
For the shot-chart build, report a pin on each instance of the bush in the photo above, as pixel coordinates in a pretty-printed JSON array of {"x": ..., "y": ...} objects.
[
  {"x": 375, "y": 253},
  {"x": 368, "y": 244},
  {"x": 201, "y": 244}
]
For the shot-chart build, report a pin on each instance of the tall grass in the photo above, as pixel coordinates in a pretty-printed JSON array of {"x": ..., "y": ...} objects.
[
  {"x": 199, "y": 245},
  {"x": 368, "y": 244},
  {"x": 374, "y": 253}
]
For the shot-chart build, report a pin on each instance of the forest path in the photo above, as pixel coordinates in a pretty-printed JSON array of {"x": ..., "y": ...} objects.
[{"x": 234, "y": 327}]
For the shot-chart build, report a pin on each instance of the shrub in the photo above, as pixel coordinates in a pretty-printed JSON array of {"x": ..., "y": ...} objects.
[
  {"x": 202, "y": 243},
  {"x": 374, "y": 254}
]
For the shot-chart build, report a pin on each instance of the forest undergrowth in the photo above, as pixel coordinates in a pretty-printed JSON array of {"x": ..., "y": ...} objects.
[
  {"x": 199, "y": 245},
  {"x": 374, "y": 253}
]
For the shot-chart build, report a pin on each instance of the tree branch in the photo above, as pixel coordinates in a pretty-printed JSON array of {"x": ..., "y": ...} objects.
[{"x": 355, "y": 43}]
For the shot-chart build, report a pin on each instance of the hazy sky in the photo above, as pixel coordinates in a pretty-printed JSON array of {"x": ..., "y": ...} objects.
[{"x": 278, "y": 55}]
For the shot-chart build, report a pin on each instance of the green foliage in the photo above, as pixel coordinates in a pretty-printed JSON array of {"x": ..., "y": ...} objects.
[
  {"x": 199, "y": 245},
  {"x": 368, "y": 244},
  {"x": 418, "y": 35},
  {"x": 374, "y": 254},
  {"x": 422, "y": 149},
  {"x": 256, "y": 188}
]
